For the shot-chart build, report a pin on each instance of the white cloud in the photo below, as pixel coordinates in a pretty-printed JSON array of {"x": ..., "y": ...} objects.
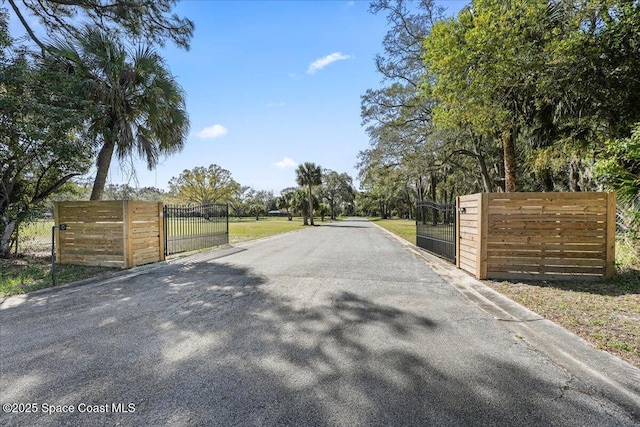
[
  {"x": 275, "y": 104},
  {"x": 320, "y": 63},
  {"x": 212, "y": 132},
  {"x": 286, "y": 163},
  {"x": 350, "y": 3}
]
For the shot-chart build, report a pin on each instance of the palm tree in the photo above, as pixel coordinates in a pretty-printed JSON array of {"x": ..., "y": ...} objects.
[
  {"x": 299, "y": 203},
  {"x": 285, "y": 202},
  {"x": 309, "y": 175},
  {"x": 138, "y": 107}
]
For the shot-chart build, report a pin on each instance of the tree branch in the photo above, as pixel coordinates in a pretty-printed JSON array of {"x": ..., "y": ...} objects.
[
  {"x": 26, "y": 26},
  {"x": 40, "y": 197}
]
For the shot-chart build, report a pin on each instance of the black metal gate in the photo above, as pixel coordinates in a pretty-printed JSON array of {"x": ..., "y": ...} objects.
[
  {"x": 189, "y": 228},
  {"x": 436, "y": 228}
]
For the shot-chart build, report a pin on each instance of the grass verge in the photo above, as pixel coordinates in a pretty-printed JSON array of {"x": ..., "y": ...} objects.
[
  {"x": 29, "y": 273},
  {"x": 405, "y": 228},
  {"x": 604, "y": 313}
]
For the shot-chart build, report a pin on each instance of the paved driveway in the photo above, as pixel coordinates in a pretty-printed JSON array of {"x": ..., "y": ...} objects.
[{"x": 331, "y": 325}]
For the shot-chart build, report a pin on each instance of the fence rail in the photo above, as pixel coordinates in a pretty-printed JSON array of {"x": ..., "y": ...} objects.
[{"x": 190, "y": 228}]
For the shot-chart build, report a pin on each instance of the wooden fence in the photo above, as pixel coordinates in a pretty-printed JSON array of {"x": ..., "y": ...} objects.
[
  {"x": 537, "y": 235},
  {"x": 121, "y": 234}
]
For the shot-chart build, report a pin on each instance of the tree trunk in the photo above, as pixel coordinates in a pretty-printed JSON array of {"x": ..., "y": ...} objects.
[
  {"x": 484, "y": 171},
  {"x": 574, "y": 176},
  {"x": 547, "y": 180},
  {"x": 311, "y": 205},
  {"x": 508, "y": 145},
  {"x": 103, "y": 163},
  {"x": 420, "y": 189},
  {"x": 499, "y": 170},
  {"x": 5, "y": 239},
  {"x": 434, "y": 193}
]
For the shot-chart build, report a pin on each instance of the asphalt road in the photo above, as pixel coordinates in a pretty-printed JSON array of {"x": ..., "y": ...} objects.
[{"x": 333, "y": 325}]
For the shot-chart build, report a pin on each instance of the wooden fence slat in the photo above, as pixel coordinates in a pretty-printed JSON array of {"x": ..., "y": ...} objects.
[
  {"x": 546, "y": 269},
  {"x": 545, "y": 239},
  {"x": 548, "y": 261},
  {"x": 546, "y": 276},
  {"x": 545, "y": 254}
]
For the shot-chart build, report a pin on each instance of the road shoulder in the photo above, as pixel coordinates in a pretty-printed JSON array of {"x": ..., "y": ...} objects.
[{"x": 615, "y": 379}]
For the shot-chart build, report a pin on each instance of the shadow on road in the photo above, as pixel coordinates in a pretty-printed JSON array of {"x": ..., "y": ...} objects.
[{"x": 208, "y": 343}]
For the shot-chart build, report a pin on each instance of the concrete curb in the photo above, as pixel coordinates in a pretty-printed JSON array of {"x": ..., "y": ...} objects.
[{"x": 613, "y": 378}]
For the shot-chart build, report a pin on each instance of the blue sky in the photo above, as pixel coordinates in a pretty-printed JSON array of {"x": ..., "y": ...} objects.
[{"x": 270, "y": 84}]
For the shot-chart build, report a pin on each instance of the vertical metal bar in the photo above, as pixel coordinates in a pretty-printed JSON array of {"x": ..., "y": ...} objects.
[
  {"x": 198, "y": 224},
  {"x": 164, "y": 229}
]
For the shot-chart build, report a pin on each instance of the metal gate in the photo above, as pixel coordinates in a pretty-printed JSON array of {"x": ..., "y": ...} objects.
[
  {"x": 189, "y": 228},
  {"x": 436, "y": 228}
]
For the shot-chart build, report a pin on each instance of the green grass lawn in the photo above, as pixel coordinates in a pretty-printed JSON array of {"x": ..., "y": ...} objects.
[
  {"x": 30, "y": 273},
  {"x": 405, "y": 228},
  {"x": 243, "y": 230}
]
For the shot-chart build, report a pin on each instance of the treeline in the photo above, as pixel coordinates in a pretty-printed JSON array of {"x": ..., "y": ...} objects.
[
  {"x": 332, "y": 193},
  {"x": 320, "y": 191},
  {"x": 518, "y": 95}
]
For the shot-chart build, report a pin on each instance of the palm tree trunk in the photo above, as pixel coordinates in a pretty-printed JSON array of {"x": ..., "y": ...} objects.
[
  {"x": 310, "y": 205},
  {"x": 103, "y": 163}
]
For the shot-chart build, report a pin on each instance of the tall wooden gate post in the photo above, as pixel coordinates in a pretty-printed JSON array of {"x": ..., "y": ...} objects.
[
  {"x": 162, "y": 231},
  {"x": 483, "y": 234}
]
